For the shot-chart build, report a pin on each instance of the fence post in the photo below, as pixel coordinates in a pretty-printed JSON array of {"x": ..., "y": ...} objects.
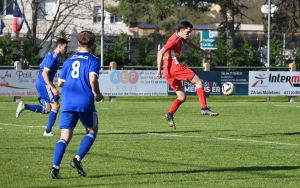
[
  {"x": 18, "y": 66},
  {"x": 206, "y": 67},
  {"x": 292, "y": 67},
  {"x": 113, "y": 66}
]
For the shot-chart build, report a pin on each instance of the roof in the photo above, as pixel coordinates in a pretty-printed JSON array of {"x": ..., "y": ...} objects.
[{"x": 244, "y": 27}]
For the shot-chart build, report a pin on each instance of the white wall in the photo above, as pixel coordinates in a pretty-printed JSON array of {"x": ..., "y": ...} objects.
[{"x": 82, "y": 21}]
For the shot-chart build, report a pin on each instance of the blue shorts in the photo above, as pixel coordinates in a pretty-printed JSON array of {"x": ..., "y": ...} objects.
[
  {"x": 45, "y": 94},
  {"x": 69, "y": 119}
]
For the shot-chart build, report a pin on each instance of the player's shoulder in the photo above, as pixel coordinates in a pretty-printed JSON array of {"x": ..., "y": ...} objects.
[
  {"x": 52, "y": 55},
  {"x": 173, "y": 38},
  {"x": 92, "y": 56}
]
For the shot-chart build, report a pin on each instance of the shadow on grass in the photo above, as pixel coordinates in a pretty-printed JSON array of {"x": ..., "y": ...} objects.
[
  {"x": 234, "y": 169},
  {"x": 149, "y": 132},
  {"x": 218, "y": 170},
  {"x": 274, "y": 134}
]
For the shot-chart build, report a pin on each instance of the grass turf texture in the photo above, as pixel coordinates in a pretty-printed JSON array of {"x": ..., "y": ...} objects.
[{"x": 252, "y": 143}]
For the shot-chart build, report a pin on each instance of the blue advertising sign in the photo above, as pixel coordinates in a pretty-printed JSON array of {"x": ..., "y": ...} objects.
[
  {"x": 213, "y": 81},
  {"x": 240, "y": 79},
  {"x": 207, "y": 39}
]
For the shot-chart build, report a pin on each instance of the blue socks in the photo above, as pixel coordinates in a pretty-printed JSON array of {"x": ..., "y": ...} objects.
[
  {"x": 59, "y": 151},
  {"x": 85, "y": 145},
  {"x": 61, "y": 146},
  {"x": 35, "y": 108},
  {"x": 51, "y": 120}
]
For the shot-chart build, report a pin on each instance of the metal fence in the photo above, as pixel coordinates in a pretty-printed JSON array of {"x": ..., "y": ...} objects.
[{"x": 256, "y": 40}]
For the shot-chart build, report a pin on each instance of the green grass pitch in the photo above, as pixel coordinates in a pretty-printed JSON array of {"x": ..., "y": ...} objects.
[{"x": 252, "y": 143}]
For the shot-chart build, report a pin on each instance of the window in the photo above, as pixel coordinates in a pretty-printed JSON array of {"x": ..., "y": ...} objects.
[
  {"x": 47, "y": 10},
  {"x": 97, "y": 14},
  {"x": 6, "y": 7},
  {"x": 114, "y": 19}
]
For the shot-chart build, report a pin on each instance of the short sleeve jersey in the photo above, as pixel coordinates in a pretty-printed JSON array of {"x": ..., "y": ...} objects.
[
  {"x": 50, "y": 62},
  {"x": 77, "y": 94},
  {"x": 173, "y": 48}
]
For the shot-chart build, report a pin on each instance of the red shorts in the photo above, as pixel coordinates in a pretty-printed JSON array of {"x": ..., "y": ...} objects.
[{"x": 175, "y": 73}]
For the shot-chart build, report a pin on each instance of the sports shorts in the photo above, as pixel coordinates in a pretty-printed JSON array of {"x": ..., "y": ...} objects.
[
  {"x": 176, "y": 73},
  {"x": 69, "y": 119},
  {"x": 45, "y": 94}
]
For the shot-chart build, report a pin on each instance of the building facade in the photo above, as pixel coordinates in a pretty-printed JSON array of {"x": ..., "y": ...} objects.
[{"x": 54, "y": 16}]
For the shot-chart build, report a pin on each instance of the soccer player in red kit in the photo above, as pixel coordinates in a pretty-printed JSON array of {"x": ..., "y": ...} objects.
[{"x": 175, "y": 72}]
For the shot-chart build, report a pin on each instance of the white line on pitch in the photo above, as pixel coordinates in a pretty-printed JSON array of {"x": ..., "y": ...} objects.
[{"x": 174, "y": 135}]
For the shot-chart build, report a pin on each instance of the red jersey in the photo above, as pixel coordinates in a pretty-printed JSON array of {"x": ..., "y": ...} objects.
[{"x": 173, "y": 48}]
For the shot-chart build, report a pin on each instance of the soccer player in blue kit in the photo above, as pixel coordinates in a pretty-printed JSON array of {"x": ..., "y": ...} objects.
[
  {"x": 80, "y": 88},
  {"x": 48, "y": 95}
]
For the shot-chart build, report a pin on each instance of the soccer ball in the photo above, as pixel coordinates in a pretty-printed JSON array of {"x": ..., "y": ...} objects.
[{"x": 228, "y": 88}]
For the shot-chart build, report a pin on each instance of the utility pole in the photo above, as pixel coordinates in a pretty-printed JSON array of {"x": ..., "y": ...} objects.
[
  {"x": 102, "y": 33},
  {"x": 269, "y": 36}
]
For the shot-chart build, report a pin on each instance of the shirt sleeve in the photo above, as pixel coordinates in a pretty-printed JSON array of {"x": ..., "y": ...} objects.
[
  {"x": 95, "y": 67},
  {"x": 49, "y": 61},
  {"x": 64, "y": 72},
  {"x": 170, "y": 43}
]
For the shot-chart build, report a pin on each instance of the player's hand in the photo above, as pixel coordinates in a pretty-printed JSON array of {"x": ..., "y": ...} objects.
[
  {"x": 55, "y": 91},
  {"x": 99, "y": 97},
  {"x": 158, "y": 74}
]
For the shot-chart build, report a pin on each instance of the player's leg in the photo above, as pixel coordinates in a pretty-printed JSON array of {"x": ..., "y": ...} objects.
[
  {"x": 68, "y": 121},
  {"x": 198, "y": 83},
  {"x": 43, "y": 98},
  {"x": 32, "y": 107},
  {"x": 52, "y": 107},
  {"x": 90, "y": 121},
  {"x": 174, "y": 76},
  {"x": 178, "y": 89},
  {"x": 55, "y": 106},
  {"x": 176, "y": 103}
]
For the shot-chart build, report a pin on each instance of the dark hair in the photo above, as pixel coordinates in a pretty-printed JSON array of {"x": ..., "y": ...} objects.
[
  {"x": 86, "y": 38},
  {"x": 61, "y": 41},
  {"x": 184, "y": 25}
]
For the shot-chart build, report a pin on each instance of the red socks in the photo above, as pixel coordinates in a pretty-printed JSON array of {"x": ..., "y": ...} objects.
[
  {"x": 202, "y": 97},
  {"x": 175, "y": 106},
  {"x": 202, "y": 100}
]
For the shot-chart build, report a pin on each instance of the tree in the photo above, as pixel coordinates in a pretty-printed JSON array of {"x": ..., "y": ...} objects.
[
  {"x": 30, "y": 51},
  {"x": 119, "y": 52},
  {"x": 165, "y": 13},
  {"x": 38, "y": 19},
  {"x": 8, "y": 50},
  {"x": 168, "y": 13},
  {"x": 145, "y": 45},
  {"x": 222, "y": 55},
  {"x": 275, "y": 52}
]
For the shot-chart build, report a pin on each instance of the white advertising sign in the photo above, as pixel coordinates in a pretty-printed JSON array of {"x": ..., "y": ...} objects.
[
  {"x": 112, "y": 83},
  {"x": 274, "y": 83},
  {"x": 132, "y": 83},
  {"x": 19, "y": 82}
]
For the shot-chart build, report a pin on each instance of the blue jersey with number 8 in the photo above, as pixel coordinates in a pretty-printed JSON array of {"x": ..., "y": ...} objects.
[{"x": 77, "y": 94}]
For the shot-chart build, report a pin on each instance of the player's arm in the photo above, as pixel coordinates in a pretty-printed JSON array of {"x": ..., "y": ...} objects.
[
  {"x": 160, "y": 55},
  {"x": 194, "y": 46},
  {"x": 63, "y": 75},
  {"x": 95, "y": 86},
  {"x": 60, "y": 82},
  {"x": 45, "y": 75}
]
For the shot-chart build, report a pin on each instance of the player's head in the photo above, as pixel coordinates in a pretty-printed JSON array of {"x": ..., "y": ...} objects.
[
  {"x": 86, "y": 39},
  {"x": 61, "y": 46},
  {"x": 184, "y": 29}
]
